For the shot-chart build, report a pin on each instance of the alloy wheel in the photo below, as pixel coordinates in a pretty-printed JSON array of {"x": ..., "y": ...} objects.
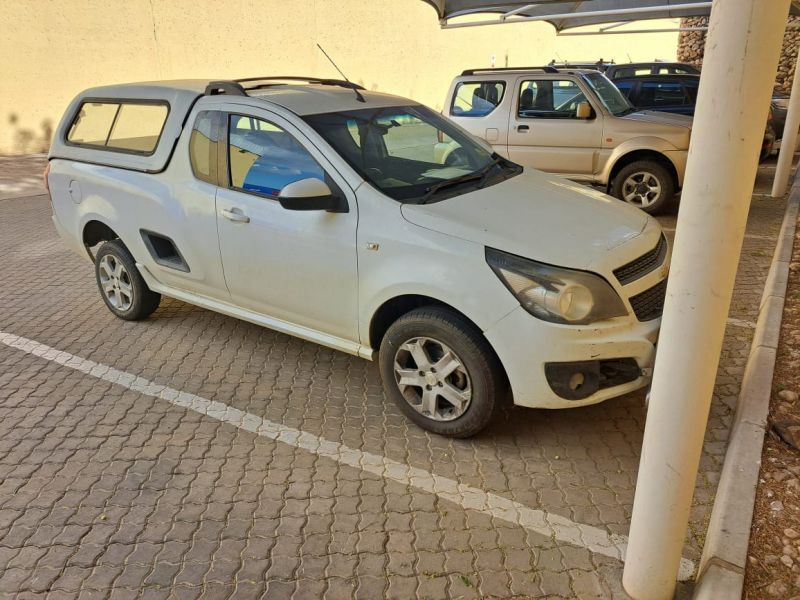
[
  {"x": 115, "y": 282},
  {"x": 432, "y": 379},
  {"x": 641, "y": 189}
]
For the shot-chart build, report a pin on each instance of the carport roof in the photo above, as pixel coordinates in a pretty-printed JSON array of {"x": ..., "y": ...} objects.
[{"x": 563, "y": 14}]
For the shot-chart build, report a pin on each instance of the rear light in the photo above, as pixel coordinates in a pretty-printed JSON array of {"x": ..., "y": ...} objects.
[{"x": 46, "y": 175}]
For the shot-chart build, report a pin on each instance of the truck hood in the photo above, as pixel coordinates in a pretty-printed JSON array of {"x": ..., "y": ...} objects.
[
  {"x": 535, "y": 215},
  {"x": 661, "y": 118}
]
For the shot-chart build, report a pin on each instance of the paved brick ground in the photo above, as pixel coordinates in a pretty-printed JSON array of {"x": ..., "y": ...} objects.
[{"x": 105, "y": 491}]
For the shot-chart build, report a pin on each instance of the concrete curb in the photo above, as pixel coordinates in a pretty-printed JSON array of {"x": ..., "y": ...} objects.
[{"x": 724, "y": 559}]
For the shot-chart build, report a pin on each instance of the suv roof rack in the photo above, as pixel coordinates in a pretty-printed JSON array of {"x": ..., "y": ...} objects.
[
  {"x": 240, "y": 87},
  {"x": 545, "y": 68},
  {"x": 570, "y": 63}
]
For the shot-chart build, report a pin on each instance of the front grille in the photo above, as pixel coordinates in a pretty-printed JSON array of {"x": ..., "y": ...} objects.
[
  {"x": 650, "y": 303},
  {"x": 643, "y": 265}
]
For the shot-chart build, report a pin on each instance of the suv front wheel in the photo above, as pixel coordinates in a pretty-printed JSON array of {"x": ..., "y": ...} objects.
[
  {"x": 646, "y": 184},
  {"x": 440, "y": 371}
]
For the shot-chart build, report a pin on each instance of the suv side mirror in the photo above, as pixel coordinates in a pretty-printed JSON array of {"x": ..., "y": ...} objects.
[
  {"x": 309, "y": 194},
  {"x": 583, "y": 110}
]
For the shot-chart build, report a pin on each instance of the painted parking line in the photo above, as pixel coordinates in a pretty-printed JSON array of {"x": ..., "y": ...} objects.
[{"x": 538, "y": 521}]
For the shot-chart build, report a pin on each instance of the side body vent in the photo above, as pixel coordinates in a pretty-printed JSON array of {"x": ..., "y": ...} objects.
[{"x": 164, "y": 251}]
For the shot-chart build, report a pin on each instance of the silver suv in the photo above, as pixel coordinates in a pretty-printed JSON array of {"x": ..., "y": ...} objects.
[{"x": 575, "y": 123}]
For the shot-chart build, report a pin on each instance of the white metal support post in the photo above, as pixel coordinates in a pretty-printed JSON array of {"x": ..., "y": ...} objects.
[
  {"x": 741, "y": 58},
  {"x": 789, "y": 136}
]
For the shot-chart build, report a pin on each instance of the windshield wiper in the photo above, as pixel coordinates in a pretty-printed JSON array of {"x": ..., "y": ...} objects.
[{"x": 479, "y": 175}]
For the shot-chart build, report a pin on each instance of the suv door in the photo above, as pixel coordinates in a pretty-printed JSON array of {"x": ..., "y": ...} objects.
[
  {"x": 544, "y": 130},
  {"x": 296, "y": 266}
]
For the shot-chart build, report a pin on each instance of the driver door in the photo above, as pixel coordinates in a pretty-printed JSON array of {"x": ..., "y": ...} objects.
[
  {"x": 296, "y": 266},
  {"x": 545, "y": 132}
]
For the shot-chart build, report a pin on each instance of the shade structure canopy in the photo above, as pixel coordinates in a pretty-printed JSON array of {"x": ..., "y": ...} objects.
[{"x": 568, "y": 14}]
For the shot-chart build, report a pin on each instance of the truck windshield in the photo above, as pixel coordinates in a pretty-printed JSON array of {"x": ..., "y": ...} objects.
[
  {"x": 609, "y": 95},
  {"x": 411, "y": 153}
]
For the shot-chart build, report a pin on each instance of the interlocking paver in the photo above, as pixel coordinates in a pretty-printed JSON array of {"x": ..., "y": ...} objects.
[{"x": 112, "y": 493}]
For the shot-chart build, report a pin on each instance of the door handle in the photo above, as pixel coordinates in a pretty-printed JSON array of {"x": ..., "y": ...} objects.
[
  {"x": 236, "y": 215},
  {"x": 522, "y": 128}
]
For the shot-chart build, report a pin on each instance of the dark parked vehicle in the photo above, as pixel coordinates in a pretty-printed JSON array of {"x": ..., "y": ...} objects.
[
  {"x": 678, "y": 94},
  {"x": 650, "y": 68},
  {"x": 780, "y": 106},
  {"x": 667, "y": 93},
  {"x": 630, "y": 71}
]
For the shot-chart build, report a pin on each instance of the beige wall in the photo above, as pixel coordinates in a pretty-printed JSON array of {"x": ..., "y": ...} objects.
[{"x": 50, "y": 49}]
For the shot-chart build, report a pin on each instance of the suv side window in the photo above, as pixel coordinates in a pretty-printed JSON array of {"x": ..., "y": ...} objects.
[
  {"x": 203, "y": 146},
  {"x": 657, "y": 94},
  {"x": 476, "y": 98},
  {"x": 549, "y": 99},
  {"x": 691, "y": 90},
  {"x": 263, "y": 158},
  {"x": 625, "y": 87},
  {"x": 621, "y": 72}
]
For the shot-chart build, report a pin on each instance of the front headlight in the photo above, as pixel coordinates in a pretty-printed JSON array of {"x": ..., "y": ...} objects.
[{"x": 555, "y": 294}]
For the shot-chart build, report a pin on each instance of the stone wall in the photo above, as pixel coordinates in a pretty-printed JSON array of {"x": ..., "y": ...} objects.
[{"x": 691, "y": 43}]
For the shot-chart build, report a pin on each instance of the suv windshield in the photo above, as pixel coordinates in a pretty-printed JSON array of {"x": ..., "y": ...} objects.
[
  {"x": 411, "y": 153},
  {"x": 609, "y": 95}
]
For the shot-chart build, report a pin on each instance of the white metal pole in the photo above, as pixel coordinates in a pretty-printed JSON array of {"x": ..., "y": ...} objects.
[
  {"x": 739, "y": 67},
  {"x": 789, "y": 136}
]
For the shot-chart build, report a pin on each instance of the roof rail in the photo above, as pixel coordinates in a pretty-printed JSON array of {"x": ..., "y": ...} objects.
[
  {"x": 317, "y": 80},
  {"x": 240, "y": 87},
  {"x": 545, "y": 68}
]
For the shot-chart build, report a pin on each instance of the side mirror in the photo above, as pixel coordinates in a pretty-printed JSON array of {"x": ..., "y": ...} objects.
[
  {"x": 583, "y": 110},
  {"x": 309, "y": 194}
]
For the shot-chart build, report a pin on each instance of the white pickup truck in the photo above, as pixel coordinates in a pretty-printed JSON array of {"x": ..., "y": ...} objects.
[{"x": 321, "y": 210}]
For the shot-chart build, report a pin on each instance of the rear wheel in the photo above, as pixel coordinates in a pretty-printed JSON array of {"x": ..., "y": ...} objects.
[
  {"x": 440, "y": 371},
  {"x": 121, "y": 286},
  {"x": 646, "y": 184}
]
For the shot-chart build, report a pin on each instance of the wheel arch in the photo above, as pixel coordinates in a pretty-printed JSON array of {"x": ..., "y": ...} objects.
[
  {"x": 95, "y": 231},
  {"x": 642, "y": 154},
  {"x": 394, "y": 308}
]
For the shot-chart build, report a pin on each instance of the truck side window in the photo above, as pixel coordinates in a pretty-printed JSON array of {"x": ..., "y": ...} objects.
[
  {"x": 121, "y": 126},
  {"x": 476, "y": 98},
  {"x": 203, "y": 146},
  {"x": 549, "y": 99},
  {"x": 264, "y": 158}
]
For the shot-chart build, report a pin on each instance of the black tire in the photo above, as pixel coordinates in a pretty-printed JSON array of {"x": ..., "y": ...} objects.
[
  {"x": 480, "y": 371},
  {"x": 767, "y": 145},
  {"x": 137, "y": 301},
  {"x": 653, "y": 169}
]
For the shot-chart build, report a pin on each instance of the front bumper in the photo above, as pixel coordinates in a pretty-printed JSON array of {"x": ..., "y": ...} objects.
[
  {"x": 526, "y": 344},
  {"x": 679, "y": 158}
]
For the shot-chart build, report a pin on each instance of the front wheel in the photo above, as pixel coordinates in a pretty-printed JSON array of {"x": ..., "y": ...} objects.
[
  {"x": 440, "y": 371},
  {"x": 645, "y": 184}
]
